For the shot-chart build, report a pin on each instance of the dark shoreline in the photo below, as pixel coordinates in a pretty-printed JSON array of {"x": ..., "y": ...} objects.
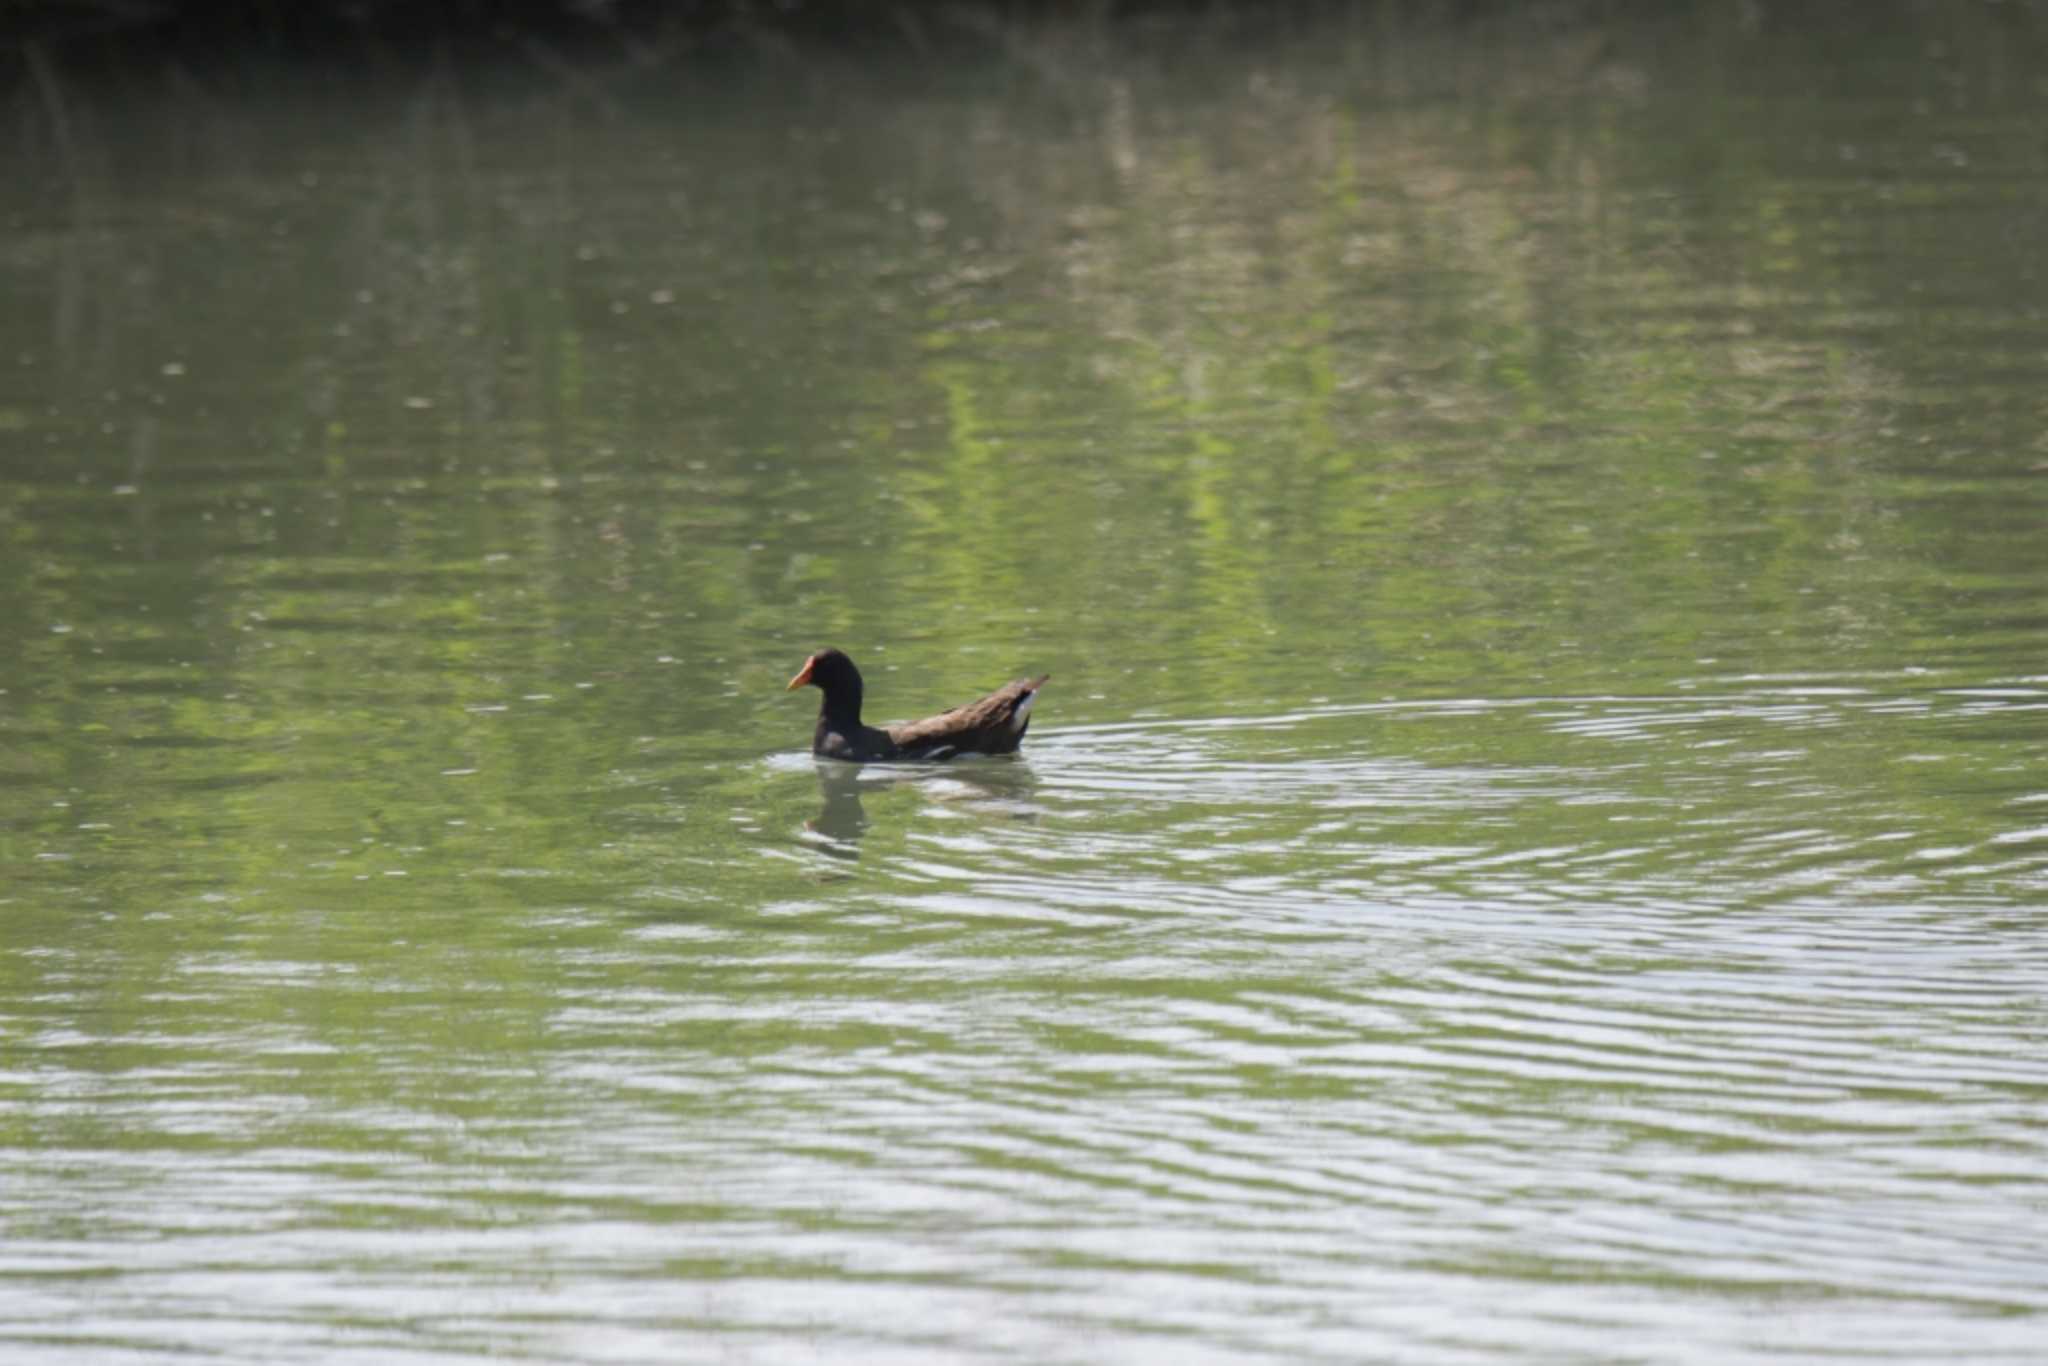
[{"x": 117, "y": 39}]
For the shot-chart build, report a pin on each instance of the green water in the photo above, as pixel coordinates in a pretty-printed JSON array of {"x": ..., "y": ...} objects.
[{"x": 1534, "y": 847}]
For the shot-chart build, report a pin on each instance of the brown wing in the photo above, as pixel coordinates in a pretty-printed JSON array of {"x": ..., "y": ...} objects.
[{"x": 990, "y": 725}]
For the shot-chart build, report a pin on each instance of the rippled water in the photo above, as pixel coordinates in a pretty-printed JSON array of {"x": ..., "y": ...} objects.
[{"x": 1534, "y": 847}]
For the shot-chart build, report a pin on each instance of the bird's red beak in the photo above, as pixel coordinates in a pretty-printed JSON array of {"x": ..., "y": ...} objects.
[{"x": 803, "y": 675}]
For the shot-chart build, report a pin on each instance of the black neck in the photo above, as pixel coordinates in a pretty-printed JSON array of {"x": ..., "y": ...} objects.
[{"x": 841, "y": 707}]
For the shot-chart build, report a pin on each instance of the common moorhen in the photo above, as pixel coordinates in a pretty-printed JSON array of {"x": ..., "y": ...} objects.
[{"x": 993, "y": 725}]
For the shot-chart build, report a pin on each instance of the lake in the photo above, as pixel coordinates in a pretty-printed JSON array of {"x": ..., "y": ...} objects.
[{"x": 1535, "y": 846}]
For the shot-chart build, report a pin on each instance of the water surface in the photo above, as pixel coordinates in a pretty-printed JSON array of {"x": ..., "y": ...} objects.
[{"x": 1534, "y": 847}]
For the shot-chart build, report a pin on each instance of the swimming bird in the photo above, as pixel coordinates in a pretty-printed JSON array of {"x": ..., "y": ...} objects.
[{"x": 994, "y": 724}]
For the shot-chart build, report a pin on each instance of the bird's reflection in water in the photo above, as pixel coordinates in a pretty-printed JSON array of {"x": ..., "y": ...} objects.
[
  {"x": 1001, "y": 786},
  {"x": 842, "y": 820}
]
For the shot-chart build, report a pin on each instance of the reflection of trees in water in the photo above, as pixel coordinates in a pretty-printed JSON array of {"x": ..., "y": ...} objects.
[{"x": 1293, "y": 368}]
